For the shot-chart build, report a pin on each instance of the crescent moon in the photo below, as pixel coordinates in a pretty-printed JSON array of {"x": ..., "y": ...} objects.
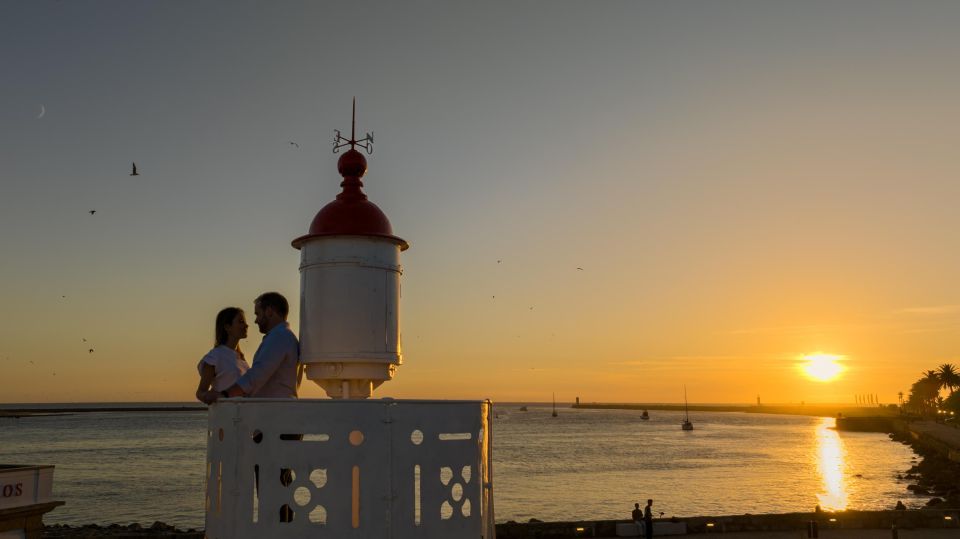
[{"x": 43, "y": 111}]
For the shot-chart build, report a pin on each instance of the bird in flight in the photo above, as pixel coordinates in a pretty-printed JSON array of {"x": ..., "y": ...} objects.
[
  {"x": 92, "y": 212},
  {"x": 90, "y": 351},
  {"x": 581, "y": 269},
  {"x": 498, "y": 261},
  {"x": 292, "y": 143},
  {"x": 134, "y": 173},
  {"x": 84, "y": 340}
]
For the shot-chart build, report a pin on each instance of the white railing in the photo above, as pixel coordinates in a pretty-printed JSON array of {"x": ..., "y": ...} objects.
[{"x": 349, "y": 469}]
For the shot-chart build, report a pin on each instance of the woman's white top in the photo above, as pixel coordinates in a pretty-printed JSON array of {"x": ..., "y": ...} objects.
[{"x": 227, "y": 364}]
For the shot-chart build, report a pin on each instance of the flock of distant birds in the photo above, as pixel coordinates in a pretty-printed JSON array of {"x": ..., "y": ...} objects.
[{"x": 135, "y": 172}]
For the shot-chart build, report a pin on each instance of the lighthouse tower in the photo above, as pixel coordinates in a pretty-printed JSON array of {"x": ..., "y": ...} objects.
[
  {"x": 350, "y": 286},
  {"x": 349, "y": 466}
]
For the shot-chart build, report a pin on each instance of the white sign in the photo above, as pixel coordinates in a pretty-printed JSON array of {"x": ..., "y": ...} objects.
[{"x": 25, "y": 485}]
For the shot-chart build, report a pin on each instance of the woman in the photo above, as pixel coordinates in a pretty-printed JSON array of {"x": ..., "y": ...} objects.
[{"x": 221, "y": 367}]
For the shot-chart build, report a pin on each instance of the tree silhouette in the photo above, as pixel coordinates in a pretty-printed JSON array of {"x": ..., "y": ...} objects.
[{"x": 949, "y": 378}]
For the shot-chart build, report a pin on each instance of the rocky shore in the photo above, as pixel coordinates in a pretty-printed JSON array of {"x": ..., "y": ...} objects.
[{"x": 934, "y": 475}]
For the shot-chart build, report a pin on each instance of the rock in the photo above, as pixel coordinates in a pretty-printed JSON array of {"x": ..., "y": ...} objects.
[
  {"x": 934, "y": 502},
  {"x": 917, "y": 489},
  {"x": 534, "y": 520}
]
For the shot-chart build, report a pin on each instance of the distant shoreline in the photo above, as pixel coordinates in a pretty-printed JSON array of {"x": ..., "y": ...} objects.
[
  {"x": 816, "y": 410},
  {"x": 31, "y": 412}
]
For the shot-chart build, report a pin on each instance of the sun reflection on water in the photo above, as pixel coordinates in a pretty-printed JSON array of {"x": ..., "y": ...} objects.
[{"x": 831, "y": 463}]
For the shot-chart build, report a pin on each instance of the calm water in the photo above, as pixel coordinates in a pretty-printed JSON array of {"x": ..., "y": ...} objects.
[{"x": 585, "y": 464}]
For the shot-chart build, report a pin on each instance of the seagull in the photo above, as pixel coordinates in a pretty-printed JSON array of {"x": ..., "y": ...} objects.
[
  {"x": 64, "y": 297},
  {"x": 292, "y": 143},
  {"x": 90, "y": 351},
  {"x": 92, "y": 212},
  {"x": 498, "y": 261},
  {"x": 84, "y": 340},
  {"x": 581, "y": 269},
  {"x": 43, "y": 110},
  {"x": 134, "y": 173}
]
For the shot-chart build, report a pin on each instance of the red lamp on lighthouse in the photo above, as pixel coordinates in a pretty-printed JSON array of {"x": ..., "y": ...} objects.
[{"x": 350, "y": 286}]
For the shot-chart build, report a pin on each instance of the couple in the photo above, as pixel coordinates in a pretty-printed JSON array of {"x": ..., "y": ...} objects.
[
  {"x": 224, "y": 371},
  {"x": 644, "y": 519}
]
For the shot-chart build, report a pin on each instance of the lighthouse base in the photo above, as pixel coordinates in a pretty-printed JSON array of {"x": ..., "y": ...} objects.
[
  {"x": 349, "y": 468},
  {"x": 350, "y": 379}
]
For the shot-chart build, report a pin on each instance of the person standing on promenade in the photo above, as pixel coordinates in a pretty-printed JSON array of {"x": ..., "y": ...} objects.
[
  {"x": 648, "y": 518},
  {"x": 637, "y": 516},
  {"x": 274, "y": 373}
]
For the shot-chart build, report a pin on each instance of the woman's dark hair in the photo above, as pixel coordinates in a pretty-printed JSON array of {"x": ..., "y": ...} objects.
[{"x": 224, "y": 318}]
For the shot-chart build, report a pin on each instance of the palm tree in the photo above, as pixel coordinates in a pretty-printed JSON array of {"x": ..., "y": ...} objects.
[
  {"x": 948, "y": 377},
  {"x": 924, "y": 392}
]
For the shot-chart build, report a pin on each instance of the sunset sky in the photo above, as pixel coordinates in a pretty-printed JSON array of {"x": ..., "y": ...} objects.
[{"x": 743, "y": 183}]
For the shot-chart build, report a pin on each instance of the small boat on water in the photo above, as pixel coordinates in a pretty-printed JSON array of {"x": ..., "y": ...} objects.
[
  {"x": 554, "y": 405},
  {"x": 645, "y": 416},
  {"x": 523, "y": 408},
  {"x": 686, "y": 425}
]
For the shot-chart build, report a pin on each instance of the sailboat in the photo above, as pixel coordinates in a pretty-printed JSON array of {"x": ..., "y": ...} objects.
[
  {"x": 686, "y": 425},
  {"x": 554, "y": 405}
]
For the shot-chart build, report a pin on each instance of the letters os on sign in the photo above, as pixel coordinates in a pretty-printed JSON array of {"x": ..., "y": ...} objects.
[{"x": 10, "y": 490}]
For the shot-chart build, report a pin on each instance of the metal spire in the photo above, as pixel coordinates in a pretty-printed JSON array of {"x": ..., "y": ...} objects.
[{"x": 339, "y": 141}]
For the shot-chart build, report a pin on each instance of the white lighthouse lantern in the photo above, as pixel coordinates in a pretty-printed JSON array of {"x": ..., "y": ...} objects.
[{"x": 350, "y": 289}]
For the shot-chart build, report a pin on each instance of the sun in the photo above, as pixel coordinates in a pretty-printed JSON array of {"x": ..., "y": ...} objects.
[{"x": 822, "y": 367}]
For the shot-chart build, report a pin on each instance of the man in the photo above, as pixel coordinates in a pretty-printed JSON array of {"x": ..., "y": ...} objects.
[
  {"x": 637, "y": 516},
  {"x": 274, "y": 370},
  {"x": 648, "y": 518}
]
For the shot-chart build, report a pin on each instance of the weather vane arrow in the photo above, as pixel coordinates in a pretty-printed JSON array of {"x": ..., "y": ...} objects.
[{"x": 339, "y": 141}]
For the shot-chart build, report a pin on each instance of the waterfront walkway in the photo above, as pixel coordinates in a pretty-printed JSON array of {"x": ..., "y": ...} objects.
[
  {"x": 947, "y": 434},
  {"x": 838, "y": 534}
]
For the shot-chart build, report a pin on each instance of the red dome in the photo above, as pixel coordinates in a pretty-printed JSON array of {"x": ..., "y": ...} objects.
[{"x": 351, "y": 214}]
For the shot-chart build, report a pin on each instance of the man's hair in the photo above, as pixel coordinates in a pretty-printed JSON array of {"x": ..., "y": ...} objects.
[{"x": 275, "y": 301}]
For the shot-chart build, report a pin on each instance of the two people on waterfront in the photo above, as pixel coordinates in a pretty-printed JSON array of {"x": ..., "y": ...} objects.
[
  {"x": 224, "y": 371},
  {"x": 643, "y": 519}
]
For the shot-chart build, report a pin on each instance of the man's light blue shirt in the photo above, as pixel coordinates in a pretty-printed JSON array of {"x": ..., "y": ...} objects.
[{"x": 274, "y": 370}]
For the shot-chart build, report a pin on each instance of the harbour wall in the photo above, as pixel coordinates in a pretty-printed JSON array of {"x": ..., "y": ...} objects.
[
  {"x": 937, "y": 437},
  {"x": 913, "y": 519}
]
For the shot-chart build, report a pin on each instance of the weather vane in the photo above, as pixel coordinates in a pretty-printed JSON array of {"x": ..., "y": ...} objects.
[{"x": 339, "y": 141}]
